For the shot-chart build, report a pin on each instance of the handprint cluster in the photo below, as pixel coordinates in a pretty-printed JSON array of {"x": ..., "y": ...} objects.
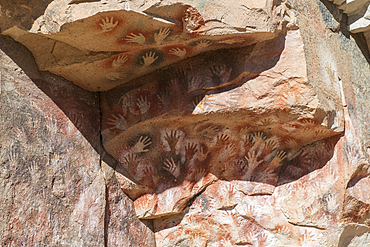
[
  {"x": 263, "y": 159},
  {"x": 180, "y": 154},
  {"x": 131, "y": 108},
  {"x": 258, "y": 159},
  {"x": 133, "y": 161},
  {"x": 310, "y": 158}
]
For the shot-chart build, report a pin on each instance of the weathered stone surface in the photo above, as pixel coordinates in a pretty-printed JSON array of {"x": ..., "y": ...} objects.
[
  {"x": 53, "y": 192},
  {"x": 109, "y": 48},
  {"x": 122, "y": 229},
  {"x": 221, "y": 124},
  {"x": 241, "y": 134}
]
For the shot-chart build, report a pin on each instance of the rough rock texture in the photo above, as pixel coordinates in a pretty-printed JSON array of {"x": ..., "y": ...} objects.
[
  {"x": 54, "y": 190},
  {"x": 99, "y": 46},
  {"x": 207, "y": 123},
  {"x": 358, "y": 14},
  {"x": 52, "y": 187}
]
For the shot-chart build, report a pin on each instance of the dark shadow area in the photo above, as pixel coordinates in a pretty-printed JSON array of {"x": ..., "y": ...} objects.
[
  {"x": 308, "y": 159},
  {"x": 21, "y": 13},
  {"x": 353, "y": 235},
  {"x": 361, "y": 172}
]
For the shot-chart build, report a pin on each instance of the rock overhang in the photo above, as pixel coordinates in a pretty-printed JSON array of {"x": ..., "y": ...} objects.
[
  {"x": 183, "y": 93},
  {"x": 110, "y": 48}
]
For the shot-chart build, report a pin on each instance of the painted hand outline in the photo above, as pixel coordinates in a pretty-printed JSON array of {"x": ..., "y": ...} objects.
[
  {"x": 222, "y": 140},
  {"x": 289, "y": 99},
  {"x": 149, "y": 58},
  {"x": 143, "y": 104},
  {"x": 291, "y": 143},
  {"x": 228, "y": 189},
  {"x": 330, "y": 202},
  {"x": 172, "y": 138},
  {"x": 142, "y": 144},
  {"x": 259, "y": 137},
  {"x": 203, "y": 44},
  {"x": 178, "y": 52},
  {"x": 230, "y": 149},
  {"x": 190, "y": 149},
  {"x": 13, "y": 159},
  {"x": 173, "y": 86},
  {"x": 133, "y": 38},
  {"x": 33, "y": 168},
  {"x": 148, "y": 171},
  {"x": 116, "y": 75},
  {"x": 20, "y": 133},
  {"x": 118, "y": 122},
  {"x": 161, "y": 35},
  {"x": 226, "y": 243},
  {"x": 200, "y": 173},
  {"x": 266, "y": 122},
  {"x": 252, "y": 161},
  {"x": 108, "y": 25},
  {"x": 131, "y": 159},
  {"x": 307, "y": 236},
  {"x": 220, "y": 72},
  {"x": 119, "y": 61},
  {"x": 284, "y": 230},
  {"x": 271, "y": 145},
  {"x": 191, "y": 21},
  {"x": 211, "y": 130},
  {"x": 171, "y": 166},
  {"x": 198, "y": 240},
  {"x": 201, "y": 154},
  {"x": 280, "y": 155}
]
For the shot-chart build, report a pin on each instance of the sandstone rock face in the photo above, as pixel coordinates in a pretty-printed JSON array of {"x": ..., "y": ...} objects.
[
  {"x": 99, "y": 46},
  {"x": 183, "y": 123}
]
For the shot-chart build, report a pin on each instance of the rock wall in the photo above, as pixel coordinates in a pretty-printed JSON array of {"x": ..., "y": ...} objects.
[{"x": 183, "y": 123}]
